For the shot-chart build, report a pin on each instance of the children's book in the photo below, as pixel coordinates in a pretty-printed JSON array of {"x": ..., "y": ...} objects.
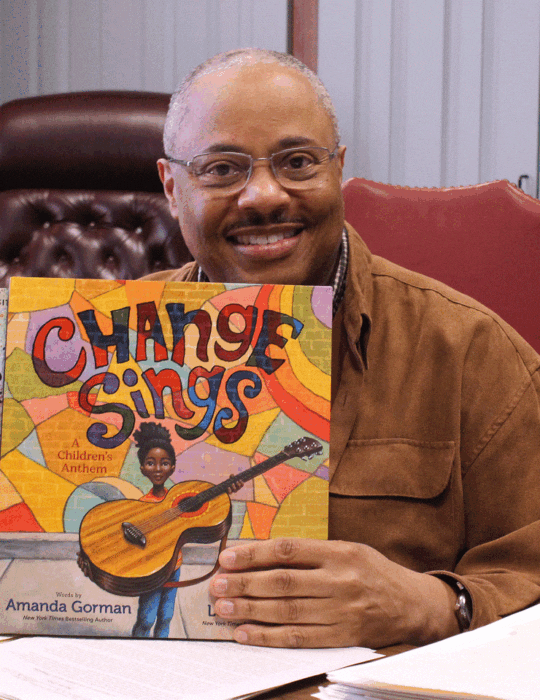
[
  {"x": 146, "y": 426},
  {"x": 3, "y": 324}
]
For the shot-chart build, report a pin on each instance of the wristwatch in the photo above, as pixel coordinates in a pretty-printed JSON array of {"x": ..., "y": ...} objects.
[{"x": 463, "y": 607}]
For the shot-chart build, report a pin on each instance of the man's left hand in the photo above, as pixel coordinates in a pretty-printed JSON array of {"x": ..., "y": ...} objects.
[{"x": 311, "y": 593}]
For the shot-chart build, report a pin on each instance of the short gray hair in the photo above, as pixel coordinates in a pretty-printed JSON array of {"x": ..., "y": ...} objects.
[{"x": 178, "y": 106}]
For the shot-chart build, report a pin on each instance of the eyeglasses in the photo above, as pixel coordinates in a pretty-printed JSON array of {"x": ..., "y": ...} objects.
[{"x": 293, "y": 168}]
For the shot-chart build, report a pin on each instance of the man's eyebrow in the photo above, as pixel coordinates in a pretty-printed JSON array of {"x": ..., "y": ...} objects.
[
  {"x": 224, "y": 148},
  {"x": 292, "y": 141}
]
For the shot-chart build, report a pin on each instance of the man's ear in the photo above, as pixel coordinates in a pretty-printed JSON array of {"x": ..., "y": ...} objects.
[
  {"x": 341, "y": 156},
  {"x": 169, "y": 185}
]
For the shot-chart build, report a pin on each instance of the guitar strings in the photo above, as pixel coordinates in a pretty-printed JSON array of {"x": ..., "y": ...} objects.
[
  {"x": 150, "y": 523},
  {"x": 147, "y": 525},
  {"x": 155, "y": 521}
]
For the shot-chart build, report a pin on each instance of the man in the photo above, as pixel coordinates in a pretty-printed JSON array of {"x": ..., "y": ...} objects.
[{"x": 435, "y": 439}]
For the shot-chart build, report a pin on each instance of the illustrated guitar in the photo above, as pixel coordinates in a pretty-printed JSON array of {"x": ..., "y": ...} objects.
[{"x": 131, "y": 547}]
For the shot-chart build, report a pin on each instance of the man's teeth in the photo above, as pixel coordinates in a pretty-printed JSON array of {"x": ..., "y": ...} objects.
[{"x": 262, "y": 239}]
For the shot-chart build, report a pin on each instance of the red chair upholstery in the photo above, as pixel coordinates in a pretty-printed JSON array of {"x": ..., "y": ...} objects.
[
  {"x": 483, "y": 240},
  {"x": 79, "y": 191}
]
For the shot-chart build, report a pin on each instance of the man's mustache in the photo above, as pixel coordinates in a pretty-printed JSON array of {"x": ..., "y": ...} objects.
[{"x": 258, "y": 219}]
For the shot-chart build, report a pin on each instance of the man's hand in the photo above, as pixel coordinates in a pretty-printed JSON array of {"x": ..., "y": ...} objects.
[{"x": 311, "y": 593}]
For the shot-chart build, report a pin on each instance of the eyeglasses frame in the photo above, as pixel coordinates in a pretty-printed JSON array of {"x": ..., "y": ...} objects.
[{"x": 189, "y": 163}]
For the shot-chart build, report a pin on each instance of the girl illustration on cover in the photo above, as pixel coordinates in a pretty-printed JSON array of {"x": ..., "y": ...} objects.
[{"x": 158, "y": 461}]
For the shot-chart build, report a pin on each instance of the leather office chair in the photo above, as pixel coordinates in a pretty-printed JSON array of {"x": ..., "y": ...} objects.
[
  {"x": 79, "y": 190},
  {"x": 483, "y": 240}
]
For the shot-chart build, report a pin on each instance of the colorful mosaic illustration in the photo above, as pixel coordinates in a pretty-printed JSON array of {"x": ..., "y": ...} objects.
[
  {"x": 3, "y": 324},
  {"x": 235, "y": 373}
]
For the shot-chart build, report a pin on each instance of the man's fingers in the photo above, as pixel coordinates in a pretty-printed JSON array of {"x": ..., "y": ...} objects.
[
  {"x": 284, "y": 611},
  {"x": 275, "y": 583},
  {"x": 290, "y": 636},
  {"x": 279, "y": 552}
]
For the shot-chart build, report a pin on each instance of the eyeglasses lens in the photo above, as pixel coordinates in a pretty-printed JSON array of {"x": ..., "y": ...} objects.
[{"x": 293, "y": 168}]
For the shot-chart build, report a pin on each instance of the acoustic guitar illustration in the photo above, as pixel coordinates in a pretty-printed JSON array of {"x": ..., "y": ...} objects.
[{"x": 130, "y": 547}]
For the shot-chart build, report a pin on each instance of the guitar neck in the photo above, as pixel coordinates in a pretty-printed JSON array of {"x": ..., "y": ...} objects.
[{"x": 223, "y": 487}]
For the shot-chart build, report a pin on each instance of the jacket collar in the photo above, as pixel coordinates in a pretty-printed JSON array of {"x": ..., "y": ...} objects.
[{"x": 358, "y": 298}]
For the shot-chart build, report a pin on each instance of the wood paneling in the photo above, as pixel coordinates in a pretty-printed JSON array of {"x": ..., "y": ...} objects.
[{"x": 303, "y": 31}]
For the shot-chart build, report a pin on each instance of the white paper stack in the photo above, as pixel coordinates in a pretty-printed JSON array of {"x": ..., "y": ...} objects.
[
  {"x": 500, "y": 661},
  {"x": 56, "y": 668}
]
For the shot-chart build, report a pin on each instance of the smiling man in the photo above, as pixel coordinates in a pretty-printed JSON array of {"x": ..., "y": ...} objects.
[
  {"x": 242, "y": 220},
  {"x": 435, "y": 429}
]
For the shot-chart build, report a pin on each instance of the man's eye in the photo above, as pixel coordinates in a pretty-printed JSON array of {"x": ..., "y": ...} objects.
[
  {"x": 222, "y": 168},
  {"x": 298, "y": 161}
]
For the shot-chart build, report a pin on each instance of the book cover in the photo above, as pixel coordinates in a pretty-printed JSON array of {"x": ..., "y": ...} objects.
[
  {"x": 3, "y": 326},
  {"x": 147, "y": 425}
]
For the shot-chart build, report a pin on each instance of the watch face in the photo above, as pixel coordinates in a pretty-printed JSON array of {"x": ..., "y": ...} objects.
[{"x": 463, "y": 610}]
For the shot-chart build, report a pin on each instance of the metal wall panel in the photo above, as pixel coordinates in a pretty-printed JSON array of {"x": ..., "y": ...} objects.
[
  {"x": 434, "y": 92},
  {"x": 462, "y": 92},
  {"x": 67, "y": 45},
  {"x": 428, "y": 92}
]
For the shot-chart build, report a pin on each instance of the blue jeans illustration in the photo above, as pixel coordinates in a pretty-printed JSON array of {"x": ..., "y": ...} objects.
[{"x": 156, "y": 607}]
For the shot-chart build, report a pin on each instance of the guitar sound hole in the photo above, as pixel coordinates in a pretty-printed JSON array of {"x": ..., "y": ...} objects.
[{"x": 191, "y": 505}]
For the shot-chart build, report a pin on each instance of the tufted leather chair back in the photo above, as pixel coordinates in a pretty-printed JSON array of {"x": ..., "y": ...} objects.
[{"x": 79, "y": 190}]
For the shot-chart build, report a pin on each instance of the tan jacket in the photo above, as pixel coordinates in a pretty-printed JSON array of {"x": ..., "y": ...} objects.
[{"x": 435, "y": 432}]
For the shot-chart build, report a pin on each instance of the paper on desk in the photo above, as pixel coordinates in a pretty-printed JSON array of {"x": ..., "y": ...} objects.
[
  {"x": 497, "y": 661},
  {"x": 105, "y": 669}
]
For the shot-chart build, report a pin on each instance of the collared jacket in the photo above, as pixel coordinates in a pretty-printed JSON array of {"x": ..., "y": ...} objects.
[{"x": 435, "y": 433}]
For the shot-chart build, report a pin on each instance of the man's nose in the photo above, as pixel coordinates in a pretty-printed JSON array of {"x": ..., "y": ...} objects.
[{"x": 263, "y": 191}]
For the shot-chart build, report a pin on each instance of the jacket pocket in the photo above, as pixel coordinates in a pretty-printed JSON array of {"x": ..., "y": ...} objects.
[{"x": 394, "y": 468}]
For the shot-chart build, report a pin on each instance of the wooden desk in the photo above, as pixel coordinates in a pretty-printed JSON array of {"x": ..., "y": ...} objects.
[{"x": 302, "y": 690}]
